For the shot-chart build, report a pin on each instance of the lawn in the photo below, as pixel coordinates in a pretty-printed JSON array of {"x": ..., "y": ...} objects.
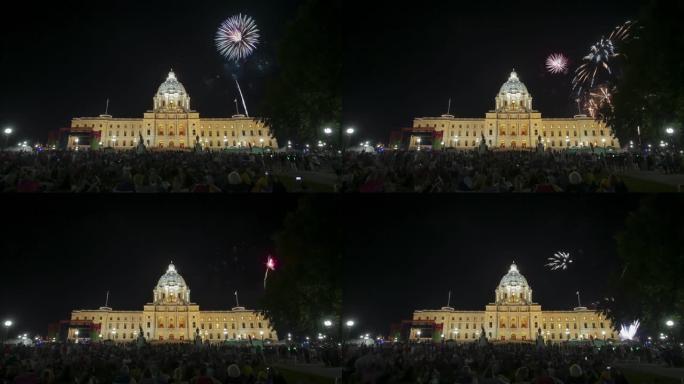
[
  {"x": 646, "y": 186},
  {"x": 294, "y": 377},
  {"x": 634, "y": 377}
]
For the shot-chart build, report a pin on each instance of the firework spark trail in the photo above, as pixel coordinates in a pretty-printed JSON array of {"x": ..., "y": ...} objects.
[
  {"x": 560, "y": 260},
  {"x": 270, "y": 266},
  {"x": 243, "y": 98}
]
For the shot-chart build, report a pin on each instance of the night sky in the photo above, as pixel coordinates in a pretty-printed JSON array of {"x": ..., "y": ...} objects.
[
  {"x": 64, "y": 59},
  {"x": 403, "y": 62},
  {"x": 408, "y": 253},
  {"x": 65, "y": 253}
]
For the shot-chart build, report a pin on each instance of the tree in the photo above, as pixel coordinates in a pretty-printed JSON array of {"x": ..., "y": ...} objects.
[
  {"x": 648, "y": 285},
  {"x": 306, "y": 96},
  {"x": 306, "y": 289},
  {"x": 650, "y": 92}
]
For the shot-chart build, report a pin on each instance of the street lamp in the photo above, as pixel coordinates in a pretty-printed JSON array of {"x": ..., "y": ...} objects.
[
  {"x": 670, "y": 323},
  {"x": 76, "y": 336},
  {"x": 327, "y": 323},
  {"x": 262, "y": 337},
  {"x": 419, "y": 141},
  {"x": 350, "y": 131},
  {"x": 8, "y": 132},
  {"x": 328, "y": 131},
  {"x": 418, "y": 333},
  {"x": 8, "y": 323}
]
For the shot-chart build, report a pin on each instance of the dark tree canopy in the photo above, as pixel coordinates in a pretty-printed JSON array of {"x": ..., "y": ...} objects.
[
  {"x": 306, "y": 96},
  {"x": 648, "y": 285},
  {"x": 306, "y": 289},
  {"x": 650, "y": 92}
]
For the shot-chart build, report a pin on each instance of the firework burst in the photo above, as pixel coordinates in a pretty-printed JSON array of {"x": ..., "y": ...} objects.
[
  {"x": 628, "y": 332},
  {"x": 237, "y": 37},
  {"x": 557, "y": 63},
  {"x": 560, "y": 260},
  {"x": 597, "y": 64}
]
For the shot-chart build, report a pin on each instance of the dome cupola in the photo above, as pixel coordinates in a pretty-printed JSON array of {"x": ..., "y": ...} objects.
[
  {"x": 171, "y": 96},
  {"x": 513, "y": 288},
  {"x": 171, "y": 288},
  {"x": 513, "y": 96}
]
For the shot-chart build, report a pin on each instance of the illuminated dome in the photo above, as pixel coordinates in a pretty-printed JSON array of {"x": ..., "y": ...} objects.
[
  {"x": 513, "y": 278},
  {"x": 171, "y": 95},
  {"x": 513, "y": 85},
  {"x": 171, "y": 288},
  {"x": 513, "y": 288},
  {"x": 513, "y": 96}
]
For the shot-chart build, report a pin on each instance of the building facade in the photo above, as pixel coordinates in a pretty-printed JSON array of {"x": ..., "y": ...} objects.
[
  {"x": 514, "y": 317},
  {"x": 173, "y": 317},
  {"x": 512, "y": 125},
  {"x": 171, "y": 124}
]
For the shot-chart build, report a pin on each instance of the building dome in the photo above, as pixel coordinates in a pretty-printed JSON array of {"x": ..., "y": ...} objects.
[
  {"x": 513, "y": 85},
  {"x": 513, "y": 96},
  {"x": 513, "y": 288},
  {"x": 171, "y": 96},
  {"x": 171, "y": 86},
  {"x": 171, "y": 288},
  {"x": 513, "y": 278},
  {"x": 171, "y": 278}
]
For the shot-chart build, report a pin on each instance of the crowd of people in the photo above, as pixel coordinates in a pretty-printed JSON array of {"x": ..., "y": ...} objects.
[
  {"x": 389, "y": 171},
  {"x": 129, "y": 364},
  {"x": 447, "y": 171},
  {"x": 425, "y": 363},
  {"x": 153, "y": 172},
  {"x": 493, "y": 364}
]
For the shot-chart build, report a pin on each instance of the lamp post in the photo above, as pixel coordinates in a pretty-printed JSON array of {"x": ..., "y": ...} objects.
[
  {"x": 7, "y": 324},
  {"x": 670, "y": 324},
  {"x": 76, "y": 333},
  {"x": 418, "y": 333},
  {"x": 670, "y": 133},
  {"x": 349, "y": 324},
  {"x": 350, "y": 132},
  {"x": 328, "y": 133},
  {"x": 8, "y": 132}
]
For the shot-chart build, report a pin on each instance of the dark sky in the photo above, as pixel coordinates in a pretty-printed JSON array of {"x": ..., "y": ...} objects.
[
  {"x": 408, "y": 253},
  {"x": 64, "y": 59},
  {"x": 64, "y": 253},
  {"x": 406, "y": 61}
]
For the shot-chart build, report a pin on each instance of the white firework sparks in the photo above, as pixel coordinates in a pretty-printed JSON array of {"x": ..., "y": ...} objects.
[
  {"x": 560, "y": 260},
  {"x": 557, "y": 63},
  {"x": 629, "y": 332},
  {"x": 237, "y": 37}
]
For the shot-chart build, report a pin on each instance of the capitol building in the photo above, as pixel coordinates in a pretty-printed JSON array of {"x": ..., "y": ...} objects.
[
  {"x": 512, "y": 125},
  {"x": 171, "y": 124},
  {"x": 512, "y": 317},
  {"x": 171, "y": 317}
]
